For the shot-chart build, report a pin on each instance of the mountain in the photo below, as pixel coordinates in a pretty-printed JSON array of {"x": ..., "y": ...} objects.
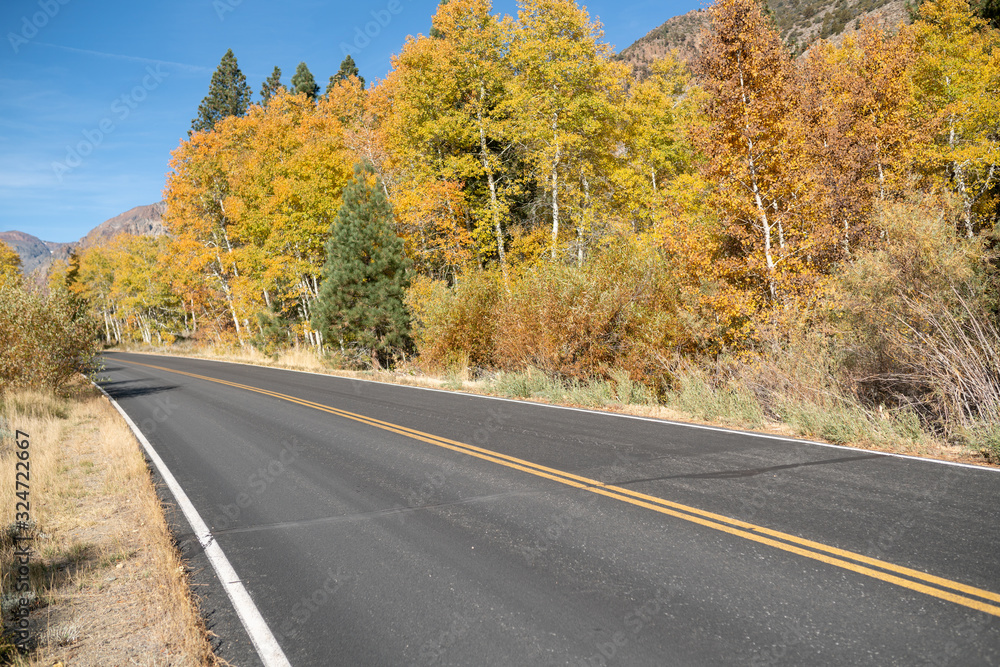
[
  {"x": 684, "y": 33},
  {"x": 139, "y": 221},
  {"x": 33, "y": 251},
  {"x": 800, "y": 22},
  {"x": 38, "y": 255}
]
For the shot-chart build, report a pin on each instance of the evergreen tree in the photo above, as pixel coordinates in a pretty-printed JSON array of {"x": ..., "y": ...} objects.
[
  {"x": 988, "y": 10},
  {"x": 347, "y": 69},
  {"x": 436, "y": 32},
  {"x": 303, "y": 82},
  {"x": 360, "y": 300},
  {"x": 271, "y": 86},
  {"x": 228, "y": 95}
]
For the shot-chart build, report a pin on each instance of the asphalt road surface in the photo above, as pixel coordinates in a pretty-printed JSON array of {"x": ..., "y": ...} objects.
[{"x": 373, "y": 524}]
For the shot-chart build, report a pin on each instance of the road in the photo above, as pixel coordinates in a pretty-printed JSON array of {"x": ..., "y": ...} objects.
[{"x": 374, "y": 524}]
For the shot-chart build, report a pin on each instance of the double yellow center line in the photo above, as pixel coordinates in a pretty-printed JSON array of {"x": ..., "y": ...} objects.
[{"x": 945, "y": 589}]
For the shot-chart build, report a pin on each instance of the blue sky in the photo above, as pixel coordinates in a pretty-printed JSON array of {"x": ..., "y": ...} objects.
[{"x": 94, "y": 95}]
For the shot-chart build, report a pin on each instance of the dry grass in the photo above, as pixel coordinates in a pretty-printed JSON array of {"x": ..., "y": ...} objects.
[
  {"x": 110, "y": 588},
  {"x": 950, "y": 356},
  {"x": 304, "y": 359},
  {"x": 299, "y": 359}
]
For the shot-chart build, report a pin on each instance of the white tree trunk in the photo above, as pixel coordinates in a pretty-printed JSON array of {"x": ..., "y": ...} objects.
[
  {"x": 555, "y": 186},
  {"x": 765, "y": 224},
  {"x": 494, "y": 205}
]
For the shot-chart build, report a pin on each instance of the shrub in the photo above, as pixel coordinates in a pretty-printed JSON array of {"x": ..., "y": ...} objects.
[
  {"x": 914, "y": 317},
  {"x": 456, "y": 326},
  {"x": 618, "y": 311},
  {"x": 984, "y": 438},
  {"x": 44, "y": 339},
  {"x": 948, "y": 361},
  {"x": 921, "y": 258}
]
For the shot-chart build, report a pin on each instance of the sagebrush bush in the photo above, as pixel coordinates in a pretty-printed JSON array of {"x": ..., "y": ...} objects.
[
  {"x": 455, "y": 325},
  {"x": 920, "y": 257},
  {"x": 44, "y": 339},
  {"x": 618, "y": 311},
  {"x": 914, "y": 318}
]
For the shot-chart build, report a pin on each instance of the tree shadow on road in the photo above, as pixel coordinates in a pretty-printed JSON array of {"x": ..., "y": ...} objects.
[
  {"x": 732, "y": 474},
  {"x": 121, "y": 389}
]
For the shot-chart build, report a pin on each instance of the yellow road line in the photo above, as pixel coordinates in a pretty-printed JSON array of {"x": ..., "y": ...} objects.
[{"x": 790, "y": 543}]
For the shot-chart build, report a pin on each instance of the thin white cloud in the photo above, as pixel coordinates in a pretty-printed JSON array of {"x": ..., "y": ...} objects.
[
  {"x": 118, "y": 56},
  {"x": 15, "y": 183}
]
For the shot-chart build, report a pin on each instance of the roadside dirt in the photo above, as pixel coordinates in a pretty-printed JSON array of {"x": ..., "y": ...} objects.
[{"x": 109, "y": 584}]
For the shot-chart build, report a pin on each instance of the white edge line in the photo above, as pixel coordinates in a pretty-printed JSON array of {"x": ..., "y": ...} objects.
[
  {"x": 260, "y": 634},
  {"x": 702, "y": 427}
]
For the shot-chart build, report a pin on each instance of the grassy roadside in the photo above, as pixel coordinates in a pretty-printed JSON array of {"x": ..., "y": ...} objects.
[
  {"x": 107, "y": 586},
  {"x": 698, "y": 399}
]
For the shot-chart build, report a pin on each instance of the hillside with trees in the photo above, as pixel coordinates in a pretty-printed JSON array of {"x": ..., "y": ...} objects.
[{"x": 809, "y": 240}]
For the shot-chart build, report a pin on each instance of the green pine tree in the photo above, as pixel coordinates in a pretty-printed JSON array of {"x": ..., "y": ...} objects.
[
  {"x": 228, "y": 95},
  {"x": 988, "y": 10},
  {"x": 303, "y": 82},
  {"x": 347, "y": 69},
  {"x": 271, "y": 86},
  {"x": 435, "y": 32},
  {"x": 360, "y": 302}
]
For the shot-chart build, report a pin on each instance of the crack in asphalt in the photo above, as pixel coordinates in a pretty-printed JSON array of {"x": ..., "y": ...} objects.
[
  {"x": 344, "y": 518},
  {"x": 750, "y": 472}
]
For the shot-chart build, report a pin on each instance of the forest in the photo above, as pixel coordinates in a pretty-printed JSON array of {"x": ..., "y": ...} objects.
[{"x": 758, "y": 236}]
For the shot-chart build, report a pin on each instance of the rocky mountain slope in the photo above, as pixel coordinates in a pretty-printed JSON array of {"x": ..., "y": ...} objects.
[
  {"x": 34, "y": 252},
  {"x": 801, "y": 23},
  {"x": 38, "y": 255},
  {"x": 139, "y": 221}
]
